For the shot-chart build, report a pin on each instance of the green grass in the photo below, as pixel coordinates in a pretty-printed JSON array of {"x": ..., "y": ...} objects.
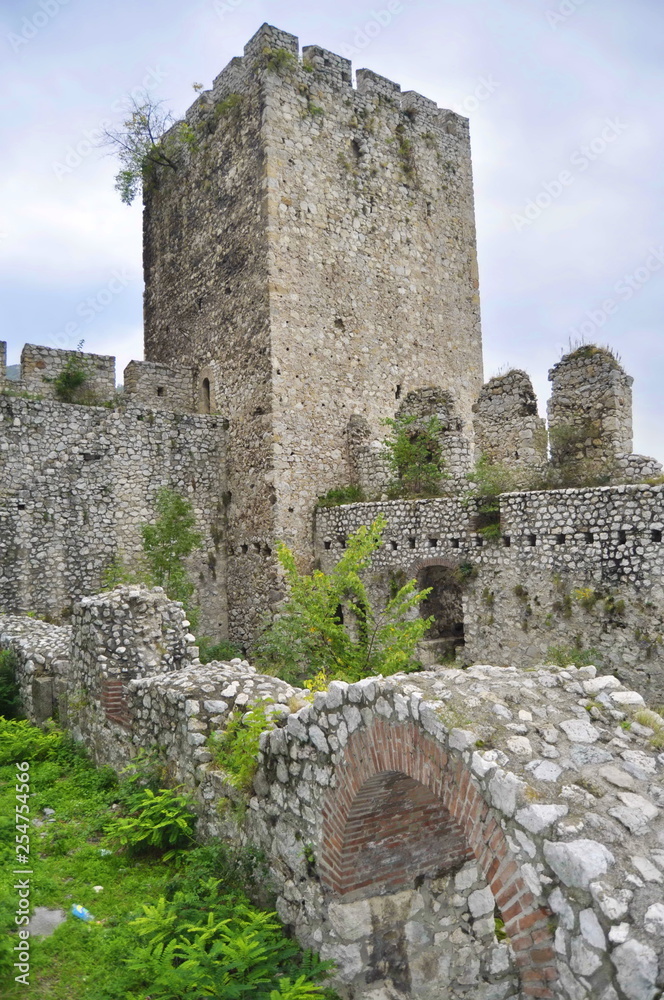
[{"x": 89, "y": 961}]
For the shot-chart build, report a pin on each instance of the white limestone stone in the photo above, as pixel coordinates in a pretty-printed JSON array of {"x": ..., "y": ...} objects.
[{"x": 578, "y": 862}]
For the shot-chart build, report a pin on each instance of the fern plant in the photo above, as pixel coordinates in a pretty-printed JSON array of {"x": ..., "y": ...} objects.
[{"x": 160, "y": 822}]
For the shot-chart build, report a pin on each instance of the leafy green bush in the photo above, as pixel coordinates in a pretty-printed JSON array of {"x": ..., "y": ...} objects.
[
  {"x": 310, "y": 637},
  {"x": 235, "y": 749},
  {"x": 21, "y": 741},
  {"x": 69, "y": 384},
  {"x": 340, "y": 495},
  {"x": 223, "y": 650},
  {"x": 10, "y": 702},
  {"x": 234, "y": 871},
  {"x": 159, "y": 822},
  {"x": 413, "y": 454}
]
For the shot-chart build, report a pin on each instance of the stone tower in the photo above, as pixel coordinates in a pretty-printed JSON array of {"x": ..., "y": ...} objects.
[{"x": 313, "y": 258}]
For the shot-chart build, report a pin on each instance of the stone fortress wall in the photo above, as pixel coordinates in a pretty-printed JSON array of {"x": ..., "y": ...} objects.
[
  {"x": 400, "y": 817},
  {"x": 569, "y": 564},
  {"x": 79, "y": 481}
]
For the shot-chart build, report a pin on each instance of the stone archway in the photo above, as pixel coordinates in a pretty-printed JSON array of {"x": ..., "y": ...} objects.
[
  {"x": 444, "y": 604},
  {"x": 405, "y": 813}
]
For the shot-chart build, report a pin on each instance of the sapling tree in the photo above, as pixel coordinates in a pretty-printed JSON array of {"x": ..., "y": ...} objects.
[
  {"x": 168, "y": 542},
  {"x": 309, "y": 638},
  {"x": 141, "y": 142},
  {"x": 413, "y": 454}
]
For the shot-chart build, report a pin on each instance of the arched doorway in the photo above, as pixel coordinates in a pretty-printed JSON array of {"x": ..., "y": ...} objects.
[
  {"x": 422, "y": 879},
  {"x": 445, "y": 605}
]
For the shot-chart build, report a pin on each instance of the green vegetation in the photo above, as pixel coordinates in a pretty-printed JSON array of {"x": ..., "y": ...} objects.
[
  {"x": 166, "y": 544},
  {"x": 10, "y": 705},
  {"x": 490, "y": 479},
  {"x": 191, "y": 925},
  {"x": 340, "y": 495},
  {"x": 279, "y": 61},
  {"x": 143, "y": 142},
  {"x": 222, "y": 650},
  {"x": 310, "y": 637},
  {"x": 70, "y": 384},
  {"x": 563, "y": 656},
  {"x": 235, "y": 749},
  {"x": 413, "y": 454}
]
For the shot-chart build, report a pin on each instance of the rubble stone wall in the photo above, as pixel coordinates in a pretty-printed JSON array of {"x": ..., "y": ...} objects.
[
  {"x": 78, "y": 482},
  {"x": 570, "y": 568},
  {"x": 482, "y": 832}
]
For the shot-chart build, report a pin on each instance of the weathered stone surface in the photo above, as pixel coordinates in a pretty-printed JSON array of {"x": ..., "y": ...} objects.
[
  {"x": 578, "y": 862},
  {"x": 636, "y": 966}
]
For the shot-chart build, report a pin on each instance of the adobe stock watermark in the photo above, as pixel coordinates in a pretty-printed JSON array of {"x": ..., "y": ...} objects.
[
  {"x": 224, "y": 7},
  {"x": 89, "y": 308},
  {"x": 21, "y": 950},
  {"x": 77, "y": 152},
  {"x": 580, "y": 160},
  {"x": 560, "y": 14},
  {"x": 31, "y": 26},
  {"x": 485, "y": 88},
  {"x": 624, "y": 290},
  {"x": 364, "y": 34}
]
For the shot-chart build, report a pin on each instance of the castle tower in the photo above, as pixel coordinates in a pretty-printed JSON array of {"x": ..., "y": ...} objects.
[{"x": 313, "y": 258}]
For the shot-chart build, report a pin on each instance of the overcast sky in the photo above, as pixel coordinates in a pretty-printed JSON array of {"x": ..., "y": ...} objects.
[{"x": 564, "y": 99}]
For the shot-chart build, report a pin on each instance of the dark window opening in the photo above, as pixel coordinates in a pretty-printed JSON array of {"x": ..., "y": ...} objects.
[
  {"x": 205, "y": 401},
  {"x": 444, "y": 604},
  {"x": 655, "y": 535},
  {"x": 479, "y": 541},
  {"x": 455, "y": 543},
  {"x": 532, "y": 539},
  {"x": 245, "y": 549},
  {"x": 411, "y": 543},
  {"x": 339, "y": 614},
  {"x": 397, "y": 392},
  {"x": 328, "y": 544},
  {"x": 507, "y": 541},
  {"x": 560, "y": 539},
  {"x": 433, "y": 542},
  {"x": 394, "y": 546},
  {"x": 160, "y": 390},
  {"x": 268, "y": 550},
  {"x": 257, "y": 546},
  {"x": 589, "y": 537},
  {"x": 342, "y": 542},
  {"x": 622, "y": 537}
]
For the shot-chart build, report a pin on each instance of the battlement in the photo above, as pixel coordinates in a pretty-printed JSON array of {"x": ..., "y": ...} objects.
[
  {"x": 325, "y": 68},
  {"x": 42, "y": 366}
]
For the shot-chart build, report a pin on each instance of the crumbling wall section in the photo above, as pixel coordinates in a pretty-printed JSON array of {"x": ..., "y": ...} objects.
[
  {"x": 508, "y": 428},
  {"x": 571, "y": 572},
  {"x": 162, "y": 387},
  {"x": 78, "y": 482},
  {"x": 401, "y": 817}
]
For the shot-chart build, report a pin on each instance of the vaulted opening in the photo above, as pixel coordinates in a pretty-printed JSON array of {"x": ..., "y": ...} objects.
[
  {"x": 397, "y": 832},
  {"x": 444, "y": 604}
]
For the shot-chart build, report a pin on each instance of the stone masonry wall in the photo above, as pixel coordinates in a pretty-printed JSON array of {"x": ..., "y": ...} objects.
[
  {"x": 40, "y": 366},
  {"x": 571, "y": 567},
  {"x": 163, "y": 387},
  {"x": 508, "y": 428},
  {"x": 77, "y": 484},
  {"x": 402, "y": 816},
  {"x": 319, "y": 253}
]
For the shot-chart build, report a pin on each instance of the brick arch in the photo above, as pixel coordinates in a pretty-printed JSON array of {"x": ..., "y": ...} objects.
[{"x": 394, "y": 775}]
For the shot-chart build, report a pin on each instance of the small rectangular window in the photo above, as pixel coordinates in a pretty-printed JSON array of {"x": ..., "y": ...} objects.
[
  {"x": 455, "y": 543},
  {"x": 532, "y": 539},
  {"x": 327, "y": 543},
  {"x": 160, "y": 390},
  {"x": 589, "y": 537},
  {"x": 507, "y": 541},
  {"x": 655, "y": 535},
  {"x": 411, "y": 543},
  {"x": 560, "y": 539},
  {"x": 622, "y": 537},
  {"x": 479, "y": 541},
  {"x": 394, "y": 546},
  {"x": 433, "y": 542}
]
